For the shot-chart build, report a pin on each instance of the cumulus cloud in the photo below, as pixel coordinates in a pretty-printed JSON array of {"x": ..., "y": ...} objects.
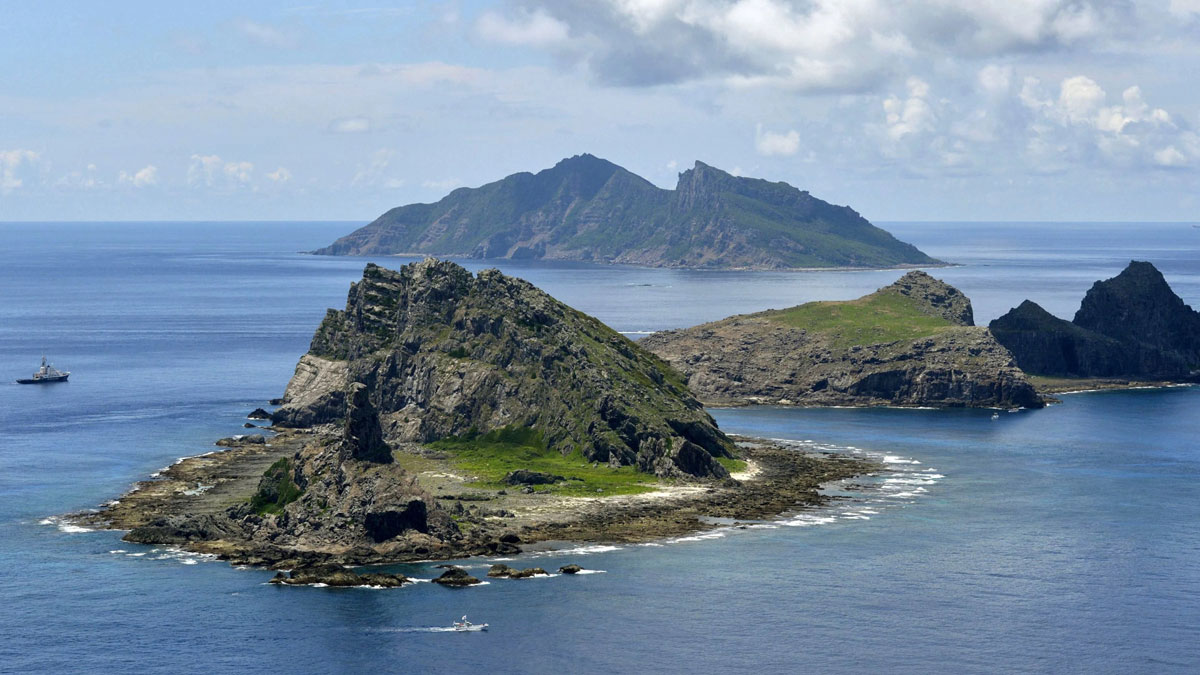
[
  {"x": 815, "y": 45},
  {"x": 534, "y": 29},
  {"x": 280, "y": 175},
  {"x": 11, "y": 163},
  {"x": 145, "y": 177},
  {"x": 213, "y": 172},
  {"x": 1184, "y": 8},
  {"x": 770, "y": 143}
]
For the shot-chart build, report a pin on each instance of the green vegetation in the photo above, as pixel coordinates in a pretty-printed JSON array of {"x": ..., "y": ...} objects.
[
  {"x": 732, "y": 465},
  {"x": 879, "y": 318},
  {"x": 490, "y": 457},
  {"x": 276, "y": 489}
]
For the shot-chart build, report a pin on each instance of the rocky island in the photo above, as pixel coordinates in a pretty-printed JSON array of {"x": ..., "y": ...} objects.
[
  {"x": 589, "y": 209},
  {"x": 909, "y": 344},
  {"x": 1130, "y": 327},
  {"x": 442, "y": 415}
]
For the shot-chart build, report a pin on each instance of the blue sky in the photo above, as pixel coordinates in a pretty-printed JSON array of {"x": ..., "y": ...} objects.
[{"x": 937, "y": 110}]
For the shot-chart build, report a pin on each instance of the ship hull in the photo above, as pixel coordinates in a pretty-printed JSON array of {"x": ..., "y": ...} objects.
[{"x": 43, "y": 380}]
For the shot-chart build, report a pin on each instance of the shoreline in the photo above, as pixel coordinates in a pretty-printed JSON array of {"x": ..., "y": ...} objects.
[
  {"x": 1083, "y": 385},
  {"x": 776, "y": 481}
]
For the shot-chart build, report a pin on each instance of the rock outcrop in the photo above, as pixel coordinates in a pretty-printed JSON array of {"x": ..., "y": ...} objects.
[
  {"x": 1132, "y": 325},
  {"x": 909, "y": 344},
  {"x": 337, "y": 576},
  {"x": 439, "y": 353},
  {"x": 586, "y": 208}
]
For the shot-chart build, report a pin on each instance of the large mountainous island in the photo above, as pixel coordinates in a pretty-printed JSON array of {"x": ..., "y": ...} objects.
[
  {"x": 912, "y": 343},
  {"x": 443, "y": 414},
  {"x": 589, "y": 209}
]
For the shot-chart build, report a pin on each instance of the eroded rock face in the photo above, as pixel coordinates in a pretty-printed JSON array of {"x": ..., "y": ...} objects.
[
  {"x": 1132, "y": 325},
  {"x": 438, "y": 352},
  {"x": 936, "y": 297},
  {"x": 755, "y": 359}
]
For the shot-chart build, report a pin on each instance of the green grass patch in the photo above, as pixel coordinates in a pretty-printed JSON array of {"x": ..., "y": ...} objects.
[
  {"x": 276, "y": 489},
  {"x": 732, "y": 465},
  {"x": 878, "y": 318},
  {"x": 490, "y": 457}
]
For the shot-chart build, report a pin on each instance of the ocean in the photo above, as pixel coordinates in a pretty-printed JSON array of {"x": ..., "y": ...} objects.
[{"x": 1064, "y": 540}]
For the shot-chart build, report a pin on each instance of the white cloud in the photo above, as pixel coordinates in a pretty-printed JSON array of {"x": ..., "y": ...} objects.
[
  {"x": 268, "y": 36},
  {"x": 1170, "y": 156},
  {"x": 11, "y": 162},
  {"x": 912, "y": 115},
  {"x": 672, "y": 165},
  {"x": 239, "y": 172},
  {"x": 213, "y": 172},
  {"x": 280, "y": 175},
  {"x": 350, "y": 125},
  {"x": 534, "y": 29},
  {"x": 1184, "y": 8},
  {"x": 145, "y": 177},
  {"x": 770, "y": 143},
  {"x": 203, "y": 170}
]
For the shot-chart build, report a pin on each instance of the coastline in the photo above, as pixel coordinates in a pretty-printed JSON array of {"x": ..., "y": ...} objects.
[
  {"x": 776, "y": 481},
  {"x": 1068, "y": 385}
]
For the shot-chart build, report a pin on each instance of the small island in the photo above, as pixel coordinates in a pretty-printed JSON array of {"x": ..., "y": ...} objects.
[
  {"x": 588, "y": 209},
  {"x": 442, "y": 415},
  {"x": 912, "y": 343}
]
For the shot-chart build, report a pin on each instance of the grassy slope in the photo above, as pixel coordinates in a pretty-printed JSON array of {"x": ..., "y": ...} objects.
[
  {"x": 879, "y": 318},
  {"x": 492, "y": 456}
]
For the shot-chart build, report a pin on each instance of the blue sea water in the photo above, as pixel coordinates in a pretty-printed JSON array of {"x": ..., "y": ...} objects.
[{"x": 1064, "y": 540}]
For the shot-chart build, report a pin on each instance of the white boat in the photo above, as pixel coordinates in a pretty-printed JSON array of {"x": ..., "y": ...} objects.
[
  {"x": 465, "y": 626},
  {"x": 46, "y": 374}
]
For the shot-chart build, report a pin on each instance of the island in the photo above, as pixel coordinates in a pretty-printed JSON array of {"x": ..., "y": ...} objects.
[
  {"x": 589, "y": 209},
  {"x": 913, "y": 343},
  {"x": 442, "y": 415},
  {"x": 1131, "y": 329}
]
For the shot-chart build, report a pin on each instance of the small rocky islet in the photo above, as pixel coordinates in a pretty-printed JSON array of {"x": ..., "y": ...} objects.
[{"x": 913, "y": 343}]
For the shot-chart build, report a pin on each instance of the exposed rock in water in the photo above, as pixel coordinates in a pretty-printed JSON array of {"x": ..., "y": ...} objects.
[
  {"x": 1132, "y": 325},
  {"x": 259, "y": 414},
  {"x": 338, "y": 576},
  {"x": 586, "y": 208},
  {"x": 909, "y": 344},
  {"x": 570, "y": 569},
  {"x": 456, "y": 576},
  {"x": 439, "y": 353},
  {"x": 506, "y": 572}
]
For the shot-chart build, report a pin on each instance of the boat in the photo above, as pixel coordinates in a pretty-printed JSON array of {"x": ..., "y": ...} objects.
[
  {"x": 465, "y": 626},
  {"x": 45, "y": 375},
  {"x": 995, "y": 416}
]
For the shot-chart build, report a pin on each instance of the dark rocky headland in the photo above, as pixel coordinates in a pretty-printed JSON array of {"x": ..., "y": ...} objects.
[
  {"x": 587, "y": 208},
  {"x": 912, "y": 343},
  {"x": 413, "y": 426},
  {"x": 1130, "y": 327}
]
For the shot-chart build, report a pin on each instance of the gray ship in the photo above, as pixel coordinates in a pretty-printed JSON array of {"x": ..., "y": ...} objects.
[{"x": 46, "y": 374}]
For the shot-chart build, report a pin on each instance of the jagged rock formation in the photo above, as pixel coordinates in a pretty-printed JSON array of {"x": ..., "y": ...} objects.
[
  {"x": 911, "y": 343},
  {"x": 440, "y": 353},
  {"x": 586, "y": 208},
  {"x": 1132, "y": 325}
]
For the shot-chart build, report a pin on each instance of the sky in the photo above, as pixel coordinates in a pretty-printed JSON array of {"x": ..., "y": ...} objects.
[{"x": 959, "y": 110}]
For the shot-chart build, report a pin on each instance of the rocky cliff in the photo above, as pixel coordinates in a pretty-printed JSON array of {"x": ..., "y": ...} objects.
[
  {"x": 909, "y": 344},
  {"x": 444, "y": 354},
  {"x": 1132, "y": 325},
  {"x": 586, "y": 208}
]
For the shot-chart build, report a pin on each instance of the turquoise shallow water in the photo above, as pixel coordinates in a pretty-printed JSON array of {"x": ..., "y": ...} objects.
[{"x": 1062, "y": 540}]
